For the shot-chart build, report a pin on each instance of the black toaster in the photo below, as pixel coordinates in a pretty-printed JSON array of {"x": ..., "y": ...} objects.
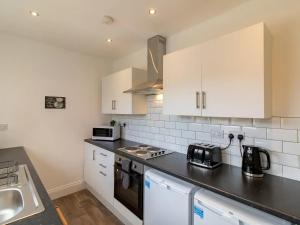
[{"x": 204, "y": 155}]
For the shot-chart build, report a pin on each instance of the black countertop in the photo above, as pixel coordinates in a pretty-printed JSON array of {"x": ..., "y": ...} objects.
[
  {"x": 47, "y": 217},
  {"x": 272, "y": 194}
]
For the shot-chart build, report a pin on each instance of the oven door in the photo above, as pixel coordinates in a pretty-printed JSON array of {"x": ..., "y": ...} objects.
[{"x": 131, "y": 197}]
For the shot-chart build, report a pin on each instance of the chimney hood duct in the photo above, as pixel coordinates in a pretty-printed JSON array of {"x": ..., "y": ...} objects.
[{"x": 156, "y": 49}]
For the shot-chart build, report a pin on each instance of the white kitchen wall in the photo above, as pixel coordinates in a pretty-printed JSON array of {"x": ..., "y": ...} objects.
[
  {"x": 280, "y": 134},
  {"x": 53, "y": 139}
]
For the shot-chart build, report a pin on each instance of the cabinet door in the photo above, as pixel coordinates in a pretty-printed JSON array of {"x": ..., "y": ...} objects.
[
  {"x": 182, "y": 82},
  {"x": 90, "y": 165},
  {"x": 106, "y": 183},
  {"x": 108, "y": 94},
  {"x": 233, "y": 75},
  {"x": 123, "y": 101}
]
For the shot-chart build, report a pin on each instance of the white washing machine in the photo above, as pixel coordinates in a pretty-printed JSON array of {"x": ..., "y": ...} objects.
[{"x": 213, "y": 209}]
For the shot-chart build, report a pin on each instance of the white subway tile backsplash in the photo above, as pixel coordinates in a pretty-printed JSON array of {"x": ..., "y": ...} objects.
[
  {"x": 226, "y": 158},
  {"x": 188, "y": 134},
  {"x": 234, "y": 150},
  {"x": 281, "y": 134},
  {"x": 290, "y": 123},
  {"x": 291, "y": 148},
  {"x": 159, "y": 137},
  {"x": 187, "y": 119},
  {"x": 164, "y": 117},
  {"x": 271, "y": 145},
  {"x": 241, "y": 122},
  {"x": 292, "y": 173},
  {"x": 273, "y": 122},
  {"x": 182, "y": 126},
  {"x": 221, "y": 121},
  {"x": 231, "y": 129},
  {"x": 154, "y": 130},
  {"x": 170, "y": 125},
  {"x": 181, "y": 141},
  {"x": 174, "y": 118},
  {"x": 170, "y": 139},
  {"x": 255, "y": 132},
  {"x": 175, "y": 133},
  {"x": 203, "y": 136},
  {"x": 150, "y": 123},
  {"x": 236, "y": 160},
  {"x": 285, "y": 159},
  {"x": 164, "y": 131},
  {"x": 205, "y": 120},
  {"x": 155, "y": 116},
  {"x": 276, "y": 169},
  {"x": 195, "y": 127},
  {"x": 159, "y": 123}
]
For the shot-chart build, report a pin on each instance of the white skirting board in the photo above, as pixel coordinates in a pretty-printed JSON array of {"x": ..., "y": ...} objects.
[{"x": 66, "y": 189}]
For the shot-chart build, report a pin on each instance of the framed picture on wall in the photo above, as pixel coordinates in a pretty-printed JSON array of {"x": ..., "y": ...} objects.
[{"x": 52, "y": 102}]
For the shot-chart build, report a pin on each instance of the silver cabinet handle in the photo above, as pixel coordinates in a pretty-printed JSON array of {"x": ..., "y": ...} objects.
[
  {"x": 103, "y": 154},
  {"x": 113, "y": 104},
  {"x": 93, "y": 155},
  {"x": 103, "y": 166},
  {"x": 197, "y": 99},
  {"x": 203, "y": 100},
  {"x": 104, "y": 174}
]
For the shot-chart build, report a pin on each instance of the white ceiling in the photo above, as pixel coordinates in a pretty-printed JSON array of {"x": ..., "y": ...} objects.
[{"x": 77, "y": 24}]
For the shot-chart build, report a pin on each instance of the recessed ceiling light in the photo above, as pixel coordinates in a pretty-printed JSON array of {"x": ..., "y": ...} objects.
[
  {"x": 109, "y": 40},
  {"x": 34, "y": 13},
  {"x": 152, "y": 11}
]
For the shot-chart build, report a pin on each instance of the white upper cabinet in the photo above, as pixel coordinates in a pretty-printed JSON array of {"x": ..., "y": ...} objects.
[
  {"x": 235, "y": 77},
  {"x": 114, "y": 101},
  {"x": 182, "y": 82}
]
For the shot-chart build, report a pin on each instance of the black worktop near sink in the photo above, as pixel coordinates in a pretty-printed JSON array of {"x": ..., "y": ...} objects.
[
  {"x": 272, "y": 194},
  {"x": 47, "y": 217}
]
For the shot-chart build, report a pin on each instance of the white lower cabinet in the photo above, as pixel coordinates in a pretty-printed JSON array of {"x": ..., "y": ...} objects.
[{"x": 99, "y": 171}]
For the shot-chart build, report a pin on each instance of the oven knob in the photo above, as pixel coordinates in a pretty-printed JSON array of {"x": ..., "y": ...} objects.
[
  {"x": 163, "y": 152},
  {"x": 134, "y": 166}
]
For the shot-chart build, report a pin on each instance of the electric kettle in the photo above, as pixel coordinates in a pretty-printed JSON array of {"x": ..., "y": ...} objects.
[{"x": 251, "y": 164}]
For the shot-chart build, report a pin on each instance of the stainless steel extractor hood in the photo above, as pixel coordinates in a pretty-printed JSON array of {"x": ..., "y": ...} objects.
[{"x": 156, "y": 49}]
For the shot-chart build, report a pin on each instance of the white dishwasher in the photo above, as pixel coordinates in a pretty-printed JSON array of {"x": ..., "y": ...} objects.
[
  {"x": 167, "y": 200},
  {"x": 213, "y": 209}
]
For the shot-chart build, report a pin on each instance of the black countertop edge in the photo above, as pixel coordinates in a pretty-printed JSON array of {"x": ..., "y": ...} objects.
[
  {"x": 272, "y": 194},
  {"x": 47, "y": 217}
]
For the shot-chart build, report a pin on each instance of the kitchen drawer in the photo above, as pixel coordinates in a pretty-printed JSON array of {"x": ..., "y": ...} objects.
[{"x": 104, "y": 157}]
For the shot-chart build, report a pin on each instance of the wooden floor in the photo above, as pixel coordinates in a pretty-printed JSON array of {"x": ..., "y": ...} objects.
[{"x": 82, "y": 208}]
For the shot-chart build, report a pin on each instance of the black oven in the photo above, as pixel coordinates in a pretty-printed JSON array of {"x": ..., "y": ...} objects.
[{"x": 129, "y": 184}]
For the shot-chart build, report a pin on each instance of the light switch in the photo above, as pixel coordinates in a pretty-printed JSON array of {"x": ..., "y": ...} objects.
[{"x": 3, "y": 127}]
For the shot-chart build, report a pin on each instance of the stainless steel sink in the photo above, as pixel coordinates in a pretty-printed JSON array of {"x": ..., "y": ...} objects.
[{"x": 20, "y": 200}]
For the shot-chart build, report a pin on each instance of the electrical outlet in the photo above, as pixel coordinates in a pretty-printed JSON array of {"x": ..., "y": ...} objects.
[
  {"x": 218, "y": 134},
  {"x": 242, "y": 133},
  {"x": 3, "y": 127}
]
